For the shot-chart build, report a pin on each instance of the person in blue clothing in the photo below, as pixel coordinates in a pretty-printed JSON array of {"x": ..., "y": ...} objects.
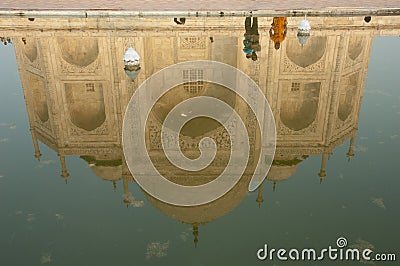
[
  {"x": 247, "y": 49},
  {"x": 251, "y": 40}
]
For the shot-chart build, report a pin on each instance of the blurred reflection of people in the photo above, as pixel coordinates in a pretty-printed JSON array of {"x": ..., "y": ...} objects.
[
  {"x": 278, "y": 30},
  {"x": 180, "y": 21},
  {"x": 6, "y": 40},
  {"x": 251, "y": 40}
]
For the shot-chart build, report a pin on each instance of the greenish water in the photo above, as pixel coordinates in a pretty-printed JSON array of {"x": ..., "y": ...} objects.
[{"x": 84, "y": 222}]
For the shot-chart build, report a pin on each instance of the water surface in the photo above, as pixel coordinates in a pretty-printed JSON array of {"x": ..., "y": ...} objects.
[{"x": 63, "y": 95}]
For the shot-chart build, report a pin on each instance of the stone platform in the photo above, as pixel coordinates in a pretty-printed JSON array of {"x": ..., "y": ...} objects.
[{"x": 190, "y": 8}]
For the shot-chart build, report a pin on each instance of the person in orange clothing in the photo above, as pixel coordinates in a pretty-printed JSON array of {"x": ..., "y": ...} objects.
[{"x": 278, "y": 30}]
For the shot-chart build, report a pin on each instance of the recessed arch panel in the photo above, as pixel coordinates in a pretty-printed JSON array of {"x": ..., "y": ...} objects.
[
  {"x": 30, "y": 49},
  {"x": 79, "y": 51},
  {"x": 85, "y": 105},
  {"x": 347, "y": 96},
  {"x": 299, "y": 106},
  {"x": 355, "y": 47},
  {"x": 308, "y": 54},
  {"x": 36, "y": 86}
]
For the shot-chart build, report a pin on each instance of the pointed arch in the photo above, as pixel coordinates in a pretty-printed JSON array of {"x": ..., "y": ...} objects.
[
  {"x": 299, "y": 106},
  {"x": 307, "y": 55},
  {"x": 85, "y": 103},
  {"x": 79, "y": 51},
  {"x": 347, "y": 96},
  {"x": 36, "y": 86}
]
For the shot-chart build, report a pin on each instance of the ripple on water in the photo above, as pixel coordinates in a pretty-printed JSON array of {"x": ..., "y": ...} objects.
[
  {"x": 378, "y": 202},
  {"x": 157, "y": 250},
  {"x": 46, "y": 258},
  {"x": 361, "y": 245}
]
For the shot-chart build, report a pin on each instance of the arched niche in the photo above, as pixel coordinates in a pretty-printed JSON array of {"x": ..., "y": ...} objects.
[
  {"x": 36, "y": 86},
  {"x": 85, "y": 103},
  {"x": 299, "y": 106},
  {"x": 348, "y": 92},
  {"x": 30, "y": 49},
  {"x": 307, "y": 55},
  {"x": 79, "y": 51},
  {"x": 355, "y": 47},
  {"x": 200, "y": 125}
]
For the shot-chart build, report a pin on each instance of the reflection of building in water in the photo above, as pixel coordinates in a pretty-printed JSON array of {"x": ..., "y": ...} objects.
[
  {"x": 76, "y": 92},
  {"x": 318, "y": 96}
]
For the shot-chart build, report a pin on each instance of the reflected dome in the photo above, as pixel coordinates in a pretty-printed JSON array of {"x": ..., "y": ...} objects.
[
  {"x": 109, "y": 173},
  {"x": 208, "y": 212}
]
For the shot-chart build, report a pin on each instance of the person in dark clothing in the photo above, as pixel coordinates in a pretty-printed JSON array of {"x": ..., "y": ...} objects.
[
  {"x": 251, "y": 40},
  {"x": 181, "y": 21}
]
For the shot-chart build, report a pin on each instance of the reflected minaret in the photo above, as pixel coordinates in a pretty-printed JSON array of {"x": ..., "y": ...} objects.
[
  {"x": 35, "y": 144},
  {"x": 64, "y": 171},
  {"x": 260, "y": 195},
  {"x": 322, "y": 172},
  {"x": 195, "y": 234},
  {"x": 126, "y": 192},
  {"x": 350, "y": 153},
  {"x": 114, "y": 186}
]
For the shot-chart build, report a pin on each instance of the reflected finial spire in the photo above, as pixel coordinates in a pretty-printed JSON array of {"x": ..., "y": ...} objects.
[
  {"x": 115, "y": 186},
  {"x": 126, "y": 201},
  {"x": 38, "y": 155},
  {"x": 274, "y": 187}
]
